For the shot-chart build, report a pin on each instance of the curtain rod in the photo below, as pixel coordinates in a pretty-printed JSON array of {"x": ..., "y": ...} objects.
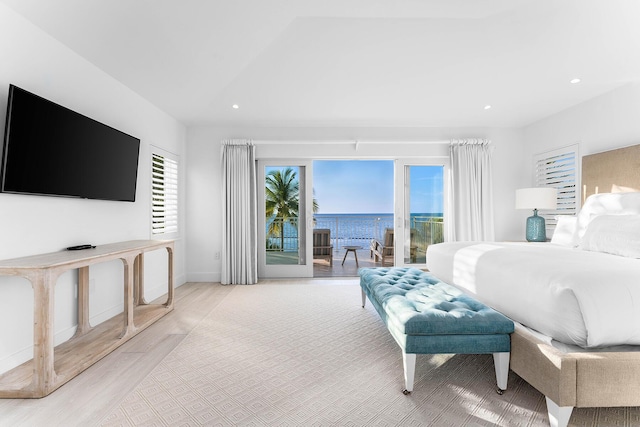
[
  {"x": 470, "y": 141},
  {"x": 343, "y": 142}
]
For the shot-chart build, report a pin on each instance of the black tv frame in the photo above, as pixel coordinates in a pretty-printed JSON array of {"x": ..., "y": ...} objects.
[{"x": 51, "y": 150}]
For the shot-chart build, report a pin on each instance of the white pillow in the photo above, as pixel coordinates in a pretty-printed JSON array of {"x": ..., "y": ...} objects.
[
  {"x": 613, "y": 234},
  {"x": 564, "y": 232},
  {"x": 606, "y": 204}
]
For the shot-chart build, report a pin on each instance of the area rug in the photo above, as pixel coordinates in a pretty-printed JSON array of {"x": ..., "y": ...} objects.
[{"x": 292, "y": 355}]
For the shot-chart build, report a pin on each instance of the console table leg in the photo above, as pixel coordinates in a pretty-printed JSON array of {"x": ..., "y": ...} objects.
[
  {"x": 44, "y": 375},
  {"x": 129, "y": 326},
  {"x": 138, "y": 277},
  {"x": 83, "y": 302},
  {"x": 169, "y": 303}
]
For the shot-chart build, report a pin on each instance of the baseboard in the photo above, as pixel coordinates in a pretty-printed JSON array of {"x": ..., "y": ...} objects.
[
  {"x": 179, "y": 281},
  {"x": 204, "y": 277},
  {"x": 26, "y": 353}
]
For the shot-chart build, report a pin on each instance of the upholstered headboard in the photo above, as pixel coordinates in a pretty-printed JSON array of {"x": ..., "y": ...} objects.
[{"x": 614, "y": 171}]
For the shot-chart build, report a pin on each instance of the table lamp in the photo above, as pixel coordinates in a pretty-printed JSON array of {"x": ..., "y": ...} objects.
[{"x": 536, "y": 198}]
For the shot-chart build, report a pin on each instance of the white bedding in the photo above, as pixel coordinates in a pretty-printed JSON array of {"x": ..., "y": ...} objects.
[{"x": 577, "y": 297}]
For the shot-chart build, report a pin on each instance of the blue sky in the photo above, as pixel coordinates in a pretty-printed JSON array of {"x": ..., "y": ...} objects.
[
  {"x": 366, "y": 186},
  {"x": 353, "y": 186},
  {"x": 427, "y": 189}
]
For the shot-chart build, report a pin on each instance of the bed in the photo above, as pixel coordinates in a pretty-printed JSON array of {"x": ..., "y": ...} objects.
[{"x": 575, "y": 300}]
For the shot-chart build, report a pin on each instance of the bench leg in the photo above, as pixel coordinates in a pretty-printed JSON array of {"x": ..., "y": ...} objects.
[
  {"x": 409, "y": 363},
  {"x": 501, "y": 365},
  {"x": 364, "y": 297}
]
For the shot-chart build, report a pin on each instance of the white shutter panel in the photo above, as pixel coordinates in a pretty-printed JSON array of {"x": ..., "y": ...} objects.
[
  {"x": 164, "y": 194},
  {"x": 558, "y": 169}
]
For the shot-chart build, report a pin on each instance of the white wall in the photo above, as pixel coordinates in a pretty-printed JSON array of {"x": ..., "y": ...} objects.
[
  {"x": 607, "y": 122},
  {"x": 36, "y": 224},
  {"x": 204, "y": 228}
]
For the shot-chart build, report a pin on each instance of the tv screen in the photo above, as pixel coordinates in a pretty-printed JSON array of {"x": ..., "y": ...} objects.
[{"x": 51, "y": 150}]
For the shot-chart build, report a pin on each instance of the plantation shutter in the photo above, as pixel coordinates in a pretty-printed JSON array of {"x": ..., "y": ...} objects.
[
  {"x": 164, "y": 194},
  {"x": 558, "y": 169}
]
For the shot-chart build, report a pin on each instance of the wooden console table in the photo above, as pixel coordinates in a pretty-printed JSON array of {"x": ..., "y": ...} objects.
[{"x": 51, "y": 367}]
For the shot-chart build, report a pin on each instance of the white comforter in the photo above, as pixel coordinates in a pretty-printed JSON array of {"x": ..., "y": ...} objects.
[{"x": 577, "y": 297}]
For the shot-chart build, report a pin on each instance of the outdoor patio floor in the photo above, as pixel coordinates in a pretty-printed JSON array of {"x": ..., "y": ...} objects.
[{"x": 321, "y": 268}]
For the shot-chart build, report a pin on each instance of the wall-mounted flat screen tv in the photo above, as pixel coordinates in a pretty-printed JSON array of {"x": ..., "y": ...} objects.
[{"x": 51, "y": 150}]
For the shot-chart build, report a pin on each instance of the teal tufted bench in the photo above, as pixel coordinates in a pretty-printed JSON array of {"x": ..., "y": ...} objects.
[{"x": 427, "y": 316}]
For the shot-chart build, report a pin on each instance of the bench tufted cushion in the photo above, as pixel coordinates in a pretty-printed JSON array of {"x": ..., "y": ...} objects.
[
  {"x": 417, "y": 303},
  {"x": 427, "y": 316}
]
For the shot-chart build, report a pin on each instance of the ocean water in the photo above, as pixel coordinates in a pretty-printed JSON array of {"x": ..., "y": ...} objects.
[
  {"x": 354, "y": 229},
  {"x": 348, "y": 229}
]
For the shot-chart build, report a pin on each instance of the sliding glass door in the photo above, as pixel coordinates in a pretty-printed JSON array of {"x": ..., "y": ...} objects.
[
  {"x": 285, "y": 218},
  {"x": 286, "y": 221},
  {"x": 420, "y": 209}
]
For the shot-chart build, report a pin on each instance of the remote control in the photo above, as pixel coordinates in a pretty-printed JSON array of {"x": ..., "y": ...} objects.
[{"x": 80, "y": 247}]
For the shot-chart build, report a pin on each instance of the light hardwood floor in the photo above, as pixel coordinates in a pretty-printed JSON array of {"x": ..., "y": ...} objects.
[{"x": 92, "y": 395}]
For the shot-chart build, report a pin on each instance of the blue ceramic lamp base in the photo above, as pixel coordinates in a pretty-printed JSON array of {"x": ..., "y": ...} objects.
[{"x": 536, "y": 231}]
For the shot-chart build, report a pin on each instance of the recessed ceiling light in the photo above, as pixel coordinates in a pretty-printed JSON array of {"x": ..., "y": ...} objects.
[
  {"x": 487, "y": 107},
  {"x": 235, "y": 106},
  {"x": 574, "y": 81}
]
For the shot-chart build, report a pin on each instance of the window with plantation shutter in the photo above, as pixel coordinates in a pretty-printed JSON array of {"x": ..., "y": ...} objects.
[
  {"x": 164, "y": 193},
  {"x": 558, "y": 169}
]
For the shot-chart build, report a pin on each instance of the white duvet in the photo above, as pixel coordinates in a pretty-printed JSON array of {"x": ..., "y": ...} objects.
[{"x": 589, "y": 299}]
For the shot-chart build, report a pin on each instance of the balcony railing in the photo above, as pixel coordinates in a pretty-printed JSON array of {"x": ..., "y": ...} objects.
[
  {"x": 284, "y": 235},
  {"x": 428, "y": 231},
  {"x": 353, "y": 230}
]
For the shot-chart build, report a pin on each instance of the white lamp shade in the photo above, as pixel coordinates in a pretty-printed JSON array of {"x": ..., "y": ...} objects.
[{"x": 536, "y": 198}]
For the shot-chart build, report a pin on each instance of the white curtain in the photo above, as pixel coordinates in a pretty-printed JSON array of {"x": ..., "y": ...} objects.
[
  {"x": 472, "y": 190},
  {"x": 239, "y": 214}
]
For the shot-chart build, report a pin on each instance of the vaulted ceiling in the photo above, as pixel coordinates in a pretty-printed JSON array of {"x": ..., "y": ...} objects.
[{"x": 353, "y": 62}]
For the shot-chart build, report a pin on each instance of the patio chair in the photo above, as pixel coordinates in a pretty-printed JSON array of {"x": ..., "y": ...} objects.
[
  {"x": 322, "y": 247},
  {"x": 383, "y": 251}
]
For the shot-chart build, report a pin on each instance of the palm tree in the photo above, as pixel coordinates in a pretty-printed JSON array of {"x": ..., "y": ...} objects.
[{"x": 282, "y": 200}]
